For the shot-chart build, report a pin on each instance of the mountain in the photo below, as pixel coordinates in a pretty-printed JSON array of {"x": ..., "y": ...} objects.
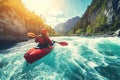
[
  {"x": 66, "y": 26},
  {"x": 101, "y": 17},
  {"x": 16, "y": 21}
]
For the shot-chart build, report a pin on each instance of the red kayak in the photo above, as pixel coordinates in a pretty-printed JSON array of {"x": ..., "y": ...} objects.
[{"x": 34, "y": 54}]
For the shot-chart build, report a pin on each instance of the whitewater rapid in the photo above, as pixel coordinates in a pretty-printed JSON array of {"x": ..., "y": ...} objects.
[{"x": 93, "y": 58}]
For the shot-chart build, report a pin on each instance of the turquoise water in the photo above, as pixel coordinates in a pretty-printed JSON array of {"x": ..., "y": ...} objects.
[{"x": 83, "y": 59}]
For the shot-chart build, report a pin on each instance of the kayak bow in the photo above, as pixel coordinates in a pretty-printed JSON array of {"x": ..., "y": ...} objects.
[{"x": 35, "y": 54}]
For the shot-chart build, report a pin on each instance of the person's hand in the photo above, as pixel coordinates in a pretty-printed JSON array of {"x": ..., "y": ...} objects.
[{"x": 53, "y": 42}]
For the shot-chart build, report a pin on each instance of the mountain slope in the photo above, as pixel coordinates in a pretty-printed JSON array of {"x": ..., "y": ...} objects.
[
  {"x": 16, "y": 21},
  {"x": 101, "y": 16},
  {"x": 66, "y": 26}
]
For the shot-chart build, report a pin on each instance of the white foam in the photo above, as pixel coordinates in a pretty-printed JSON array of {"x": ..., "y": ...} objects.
[{"x": 92, "y": 64}]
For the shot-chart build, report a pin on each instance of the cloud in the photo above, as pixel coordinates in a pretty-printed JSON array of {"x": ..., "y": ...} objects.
[
  {"x": 55, "y": 12},
  {"x": 53, "y": 21},
  {"x": 51, "y": 10},
  {"x": 61, "y": 20}
]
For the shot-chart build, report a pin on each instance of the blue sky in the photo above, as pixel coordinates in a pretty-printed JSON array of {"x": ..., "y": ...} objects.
[
  {"x": 78, "y": 7},
  {"x": 57, "y": 11}
]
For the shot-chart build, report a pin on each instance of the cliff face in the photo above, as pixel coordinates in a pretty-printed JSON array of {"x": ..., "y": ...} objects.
[
  {"x": 112, "y": 11},
  {"x": 12, "y": 27},
  {"x": 101, "y": 16},
  {"x": 16, "y": 21}
]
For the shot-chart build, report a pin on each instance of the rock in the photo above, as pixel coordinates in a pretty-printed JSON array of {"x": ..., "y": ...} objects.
[
  {"x": 117, "y": 33},
  {"x": 112, "y": 10},
  {"x": 12, "y": 27}
]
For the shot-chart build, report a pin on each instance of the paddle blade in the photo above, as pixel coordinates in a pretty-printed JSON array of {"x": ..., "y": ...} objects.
[
  {"x": 31, "y": 35},
  {"x": 63, "y": 43}
]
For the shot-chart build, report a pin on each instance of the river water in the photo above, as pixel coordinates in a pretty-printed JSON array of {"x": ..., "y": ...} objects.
[{"x": 93, "y": 58}]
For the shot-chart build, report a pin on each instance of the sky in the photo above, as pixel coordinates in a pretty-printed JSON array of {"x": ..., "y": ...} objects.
[{"x": 57, "y": 11}]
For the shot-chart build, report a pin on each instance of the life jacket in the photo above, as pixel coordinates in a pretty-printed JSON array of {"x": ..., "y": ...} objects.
[{"x": 42, "y": 41}]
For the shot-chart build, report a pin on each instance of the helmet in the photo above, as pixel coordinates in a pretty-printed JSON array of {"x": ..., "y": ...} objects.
[{"x": 44, "y": 31}]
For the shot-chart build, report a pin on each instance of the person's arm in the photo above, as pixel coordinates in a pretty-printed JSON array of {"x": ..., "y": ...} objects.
[
  {"x": 49, "y": 41},
  {"x": 36, "y": 39}
]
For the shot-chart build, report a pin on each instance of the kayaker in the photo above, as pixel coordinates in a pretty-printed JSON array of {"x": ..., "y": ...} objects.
[{"x": 43, "y": 40}]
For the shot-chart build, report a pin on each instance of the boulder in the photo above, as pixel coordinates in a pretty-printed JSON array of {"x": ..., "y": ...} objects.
[
  {"x": 12, "y": 27},
  {"x": 117, "y": 33}
]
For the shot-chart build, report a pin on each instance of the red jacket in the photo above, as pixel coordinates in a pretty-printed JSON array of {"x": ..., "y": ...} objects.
[{"x": 43, "y": 40}]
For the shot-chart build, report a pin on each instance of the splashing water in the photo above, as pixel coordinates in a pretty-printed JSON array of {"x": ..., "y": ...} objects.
[{"x": 83, "y": 59}]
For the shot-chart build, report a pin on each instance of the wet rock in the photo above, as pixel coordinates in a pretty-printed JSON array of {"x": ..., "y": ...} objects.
[{"x": 117, "y": 33}]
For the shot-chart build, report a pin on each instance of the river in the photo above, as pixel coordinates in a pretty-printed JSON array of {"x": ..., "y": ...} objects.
[{"x": 84, "y": 58}]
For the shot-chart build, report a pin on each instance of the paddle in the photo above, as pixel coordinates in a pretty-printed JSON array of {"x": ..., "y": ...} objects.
[
  {"x": 33, "y": 35},
  {"x": 62, "y": 43}
]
